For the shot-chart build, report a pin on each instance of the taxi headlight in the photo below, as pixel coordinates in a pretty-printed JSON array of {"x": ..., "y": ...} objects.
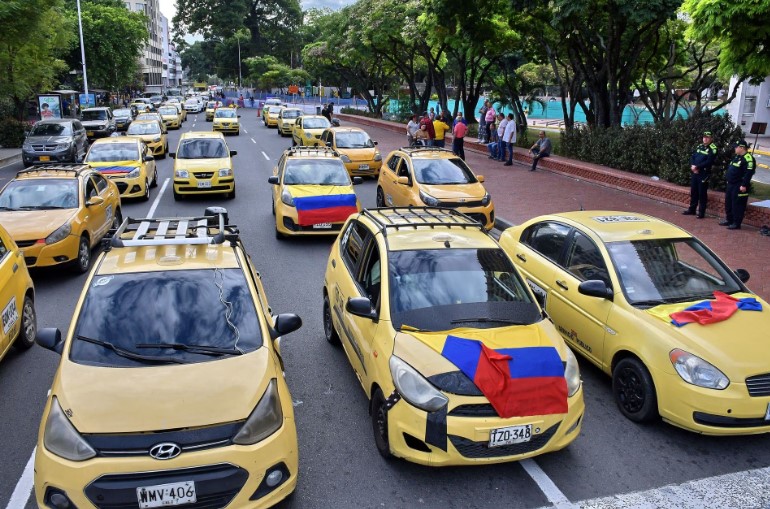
[
  {"x": 156, "y": 139},
  {"x": 377, "y": 156},
  {"x": 62, "y": 439},
  {"x": 414, "y": 387},
  {"x": 486, "y": 199},
  {"x": 60, "y": 234},
  {"x": 345, "y": 159},
  {"x": 429, "y": 200},
  {"x": 572, "y": 373},
  {"x": 266, "y": 419},
  {"x": 286, "y": 198},
  {"x": 696, "y": 371},
  {"x": 134, "y": 173},
  {"x": 225, "y": 172},
  {"x": 182, "y": 174}
]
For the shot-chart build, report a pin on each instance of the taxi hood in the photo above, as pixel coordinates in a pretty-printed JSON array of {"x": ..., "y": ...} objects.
[
  {"x": 34, "y": 224},
  {"x": 152, "y": 398},
  {"x": 453, "y": 192},
  {"x": 358, "y": 154}
]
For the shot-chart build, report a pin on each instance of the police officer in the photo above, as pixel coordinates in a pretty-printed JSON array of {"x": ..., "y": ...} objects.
[
  {"x": 700, "y": 167},
  {"x": 738, "y": 176}
]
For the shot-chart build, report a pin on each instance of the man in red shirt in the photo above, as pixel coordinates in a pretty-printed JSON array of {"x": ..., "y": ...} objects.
[
  {"x": 429, "y": 125},
  {"x": 459, "y": 131}
]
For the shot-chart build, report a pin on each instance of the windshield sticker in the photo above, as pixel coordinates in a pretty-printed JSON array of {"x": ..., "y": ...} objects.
[
  {"x": 620, "y": 219},
  {"x": 103, "y": 281}
]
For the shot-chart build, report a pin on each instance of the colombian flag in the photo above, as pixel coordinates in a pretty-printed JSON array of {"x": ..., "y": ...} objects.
[
  {"x": 332, "y": 208},
  {"x": 517, "y": 381},
  {"x": 713, "y": 311}
]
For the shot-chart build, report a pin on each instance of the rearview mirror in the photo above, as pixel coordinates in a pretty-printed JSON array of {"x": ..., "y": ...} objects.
[
  {"x": 233, "y": 153},
  {"x": 148, "y": 158},
  {"x": 50, "y": 339},
  {"x": 376, "y": 143},
  {"x": 273, "y": 179},
  {"x": 595, "y": 288},
  {"x": 357, "y": 180},
  {"x": 743, "y": 275},
  {"x": 94, "y": 200},
  {"x": 360, "y": 306},
  {"x": 286, "y": 323},
  {"x": 403, "y": 180},
  {"x": 480, "y": 178}
]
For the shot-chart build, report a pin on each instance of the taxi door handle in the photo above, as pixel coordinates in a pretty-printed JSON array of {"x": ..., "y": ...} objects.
[
  {"x": 562, "y": 285},
  {"x": 334, "y": 264},
  {"x": 521, "y": 257},
  {"x": 15, "y": 267}
]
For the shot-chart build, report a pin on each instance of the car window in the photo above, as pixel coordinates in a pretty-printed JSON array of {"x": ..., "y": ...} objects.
[
  {"x": 226, "y": 113},
  {"x": 78, "y": 125},
  {"x": 3, "y": 249},
  {"x": 393, "y": 163},
  {"x": 101, "y": 182},
  {"x": 403, "y": 170},
  {"x": 28, "y": 194},
  {"x": 316, "y": 123},
  {"x": 370, "y": 277},
  {"x": 106, "y": 152},
  {"x": 51, "y": 129},
  {"x": 90, "y": 188},
  {"x": 94, "y": 115},
  {"x": 585, "y": 261},
  {"x": 442, "y": 171},
  {"x": 354, "y": 139},
  {"x": 201, "y": 149},
  {"x": 290, "y": 113},
  {"x": 352, "y": 243},
  {"x": 140, "y": 128},
  {"x": 548, "y": 239}
]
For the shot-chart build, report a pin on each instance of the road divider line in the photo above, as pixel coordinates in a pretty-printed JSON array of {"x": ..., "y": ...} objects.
[
  {"x": 157, "y": 198},
  {"x": 253, "y": 140},
  {"x": 245, "y": 131},
  {"x": 24, "y": 487},
  {"x": 546, "y": 485},
  {"x": 263, "y": 153}
]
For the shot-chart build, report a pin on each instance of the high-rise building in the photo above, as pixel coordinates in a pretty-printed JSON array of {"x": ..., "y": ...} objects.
[{"x": 152, "y": 58}]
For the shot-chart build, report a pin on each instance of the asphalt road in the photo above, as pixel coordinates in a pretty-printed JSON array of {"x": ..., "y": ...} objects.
[{"x": 339, "y": 464}]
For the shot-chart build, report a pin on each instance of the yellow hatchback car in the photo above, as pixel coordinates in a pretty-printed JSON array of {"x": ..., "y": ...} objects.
[
  {"x": 127, "y": 162},
  {"x": 312, "y": 192},
  {"x": 286, "y": 120},
  {"x": 56, "y": 214},
  {"x": 456, "y": 357},
  {"x": 152, "y": 133},
  {"x": 271, "y": 115},
  {"x": 172, "y": 119},
  {"x": 187, "y": 406},
  {"x": 226, "y": 121},
  {"x": 357, "y": 150},
  {"x": 619, "y": 287},
  {"x": 203, "y": 164},
  {"x": 434, "y": 177},
  {"x": 308, "y": 130},
  {"x": 17, "y": 298},
  {"x": 211, "y": 107}
]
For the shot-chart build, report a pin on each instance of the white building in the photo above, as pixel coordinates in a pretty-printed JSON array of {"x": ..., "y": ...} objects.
[
  {"x": 164, "y": 42},
  {"x": 751, "y": 104},
  {"x": 151, "y": 61}
]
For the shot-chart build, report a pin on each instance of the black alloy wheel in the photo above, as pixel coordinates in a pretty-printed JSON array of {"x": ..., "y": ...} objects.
[
  {"x": 634, "y": 391},
  {"x": 329, "y": 331},
  {"x": 380, "y": 424}
]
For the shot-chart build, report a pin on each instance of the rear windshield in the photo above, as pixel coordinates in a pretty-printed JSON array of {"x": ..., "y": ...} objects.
[
  {"x": 203, "y": 308},
  {"x": 51, "y": 129},
  {"x": 122, "y": 113},
  {"x": 94, "y": 115},
  {"x": 40, "y": 194},
  {"x": 201, "y": 149}
]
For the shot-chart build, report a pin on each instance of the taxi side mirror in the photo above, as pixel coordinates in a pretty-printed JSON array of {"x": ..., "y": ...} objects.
[
  {"x": 480, "y": 178},
  {"x": 147, "y": 159},
  {"x": 376, "y": 143},
  {"x": 286, "y": 323},
  {"x": 361, "y": 306},
  {"x": 743, "y": 275},
  {"x": 94, "y": 200},
  {"x": 239, "y": 116},
  {"x": 273, "y": 179},
  {"x": 233, "y": 153},
  {"x": 403, "y": 181},
  {"x": 50, "y": 339},
  {"x": 595, "y": 288}
]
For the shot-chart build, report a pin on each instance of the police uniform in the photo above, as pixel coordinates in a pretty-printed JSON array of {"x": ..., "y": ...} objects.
[
  {"x": 739, "y": 173},
  {"x": 703, "y": 159}
]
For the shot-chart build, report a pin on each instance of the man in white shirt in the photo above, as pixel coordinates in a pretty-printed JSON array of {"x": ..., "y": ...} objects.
[
  {"x": 509, "y": 137},
  {"x": 411, "y": 128},
  {"x": 502, "y": 121}
]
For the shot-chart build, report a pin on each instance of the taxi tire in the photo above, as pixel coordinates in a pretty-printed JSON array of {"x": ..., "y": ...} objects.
[
  {"x": 146, "y": 195},
  {"x": 117, "y": 220},
  {"x": 154, "y": 182},
  {"x": 279, "y": 235},
  {"x": 230, "y": 195},
  {"x": 28, "y": 330},
  {"x": 330, "y": 333},
  {"x": 631, "y": 382},
  {"x": 274, "y": 206},
  {"x": 293, "y": 142},
  {"x": 379, "y": 416},
  {"x": 380, "y": 197},
  {"x": 82, "y": 263}
]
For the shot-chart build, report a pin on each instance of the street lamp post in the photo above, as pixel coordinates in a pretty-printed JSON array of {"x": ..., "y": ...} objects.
[
  {"x": 239, "y": 61},
  {"x": 82, "y": 51}
]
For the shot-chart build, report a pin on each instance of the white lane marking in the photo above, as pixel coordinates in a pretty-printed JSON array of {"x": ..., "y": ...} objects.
[
  {"x": 265, "y": 156},
  {"x": 11, "y": 163},
  {"x": 546, "y": 485},
  {"x": 24, "y": 487},
  {"x": 245, "y": 131},
  {"x": 749, "y": 489},
  {"x": 157, "y": 198},
  {"x": 253, "y": 140}
]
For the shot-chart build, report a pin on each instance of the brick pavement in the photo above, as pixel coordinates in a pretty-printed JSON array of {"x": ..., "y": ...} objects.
[{"x": 519, "y": 194}]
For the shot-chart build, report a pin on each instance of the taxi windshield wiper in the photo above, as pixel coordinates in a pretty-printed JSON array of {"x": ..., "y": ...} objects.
[
  {"x": 486, "y": 319},
  {"x": 202, "y": 349},
  {"x": 127, "y": 354}
]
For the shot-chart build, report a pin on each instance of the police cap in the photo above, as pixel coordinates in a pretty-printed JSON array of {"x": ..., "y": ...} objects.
[
  {"x": 742, "y": 143},
  {"x": 707, "y": 133}
]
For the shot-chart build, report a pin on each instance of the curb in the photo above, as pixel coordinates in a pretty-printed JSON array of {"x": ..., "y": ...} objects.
[
  {"x": 7, "y": 161},
  {"x": 503, "y": 224}
]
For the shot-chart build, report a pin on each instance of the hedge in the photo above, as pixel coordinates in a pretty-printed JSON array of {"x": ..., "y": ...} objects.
[{"x": 11, "y": 133}]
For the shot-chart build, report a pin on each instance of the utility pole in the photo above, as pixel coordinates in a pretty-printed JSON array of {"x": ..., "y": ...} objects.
[{"x": 82, "y": 51}]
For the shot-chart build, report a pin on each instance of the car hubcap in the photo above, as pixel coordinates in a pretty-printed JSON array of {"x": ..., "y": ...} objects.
[
  {"x": 28, "y": 321},
  {"x": 630, "y": 390},
  {"x": 84, "y": 254},
  {"x": 382, "y": 424},
  {"x": 146, "y": 189},
  {"x": 327, "y": 321},
  {"x": 380, "y": 198}
]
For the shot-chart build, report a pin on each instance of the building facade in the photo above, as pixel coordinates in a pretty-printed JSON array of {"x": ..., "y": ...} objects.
[
  {"x": 751, "y": 104},
  {"x": 152, "y": 58}
]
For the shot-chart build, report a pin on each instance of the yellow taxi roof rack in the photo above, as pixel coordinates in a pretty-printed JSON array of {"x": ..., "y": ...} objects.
[
  {"x": 75, "y": 168},
  {"x": 210, "y": 229},
  {"x": 301, "y": 150},
  {"x": 415, "y": 217}
]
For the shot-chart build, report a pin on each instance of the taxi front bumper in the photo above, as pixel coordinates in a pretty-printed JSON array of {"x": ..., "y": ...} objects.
[
  {"x": 39, "y": 254},
  {"x": 484, "y": 214},
  {"x": 129, "y": 187},
  {"x": 286, "y": 223},
  {"x": 204, "y": 183},
  {"x": 228, "y": 127}
]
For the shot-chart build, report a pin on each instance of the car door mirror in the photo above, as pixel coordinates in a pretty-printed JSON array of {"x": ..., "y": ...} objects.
[
  {"x": 376, "y": 143},
  {"x": 358, "y": 180},
  {"x": 94, "y": 200},
  {"x": 361, "y": 306},
  {"x": 595, "y": 288},
  {"x": 50, "y": 339},
  {"x": 239, "y": 116},
  {"x": 480, "y": 178},
  {"x": 403, "y": 181},
  {"x": 147, "y": 159},
  {"x": 273, "y": 179},
  {"x": 233, "y": 153},
  {"x": 286, "y": 323},
  {"x": 743, "y": 275}
]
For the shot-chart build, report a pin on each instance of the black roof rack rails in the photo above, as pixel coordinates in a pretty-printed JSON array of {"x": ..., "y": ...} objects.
[
  {"x": 173, "y": 231},
  {"x": 75, "y": 168},
  {"x": 413, "y": 150},
  {"x": 414, "y": 217},
  {"x": 307, "y": 150}
]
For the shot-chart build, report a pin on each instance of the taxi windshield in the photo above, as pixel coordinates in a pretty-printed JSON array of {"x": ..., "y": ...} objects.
[
  {"x": 355, "y": 139},
  {"x": 442, "y": 171},
  {"x": 201, "y": 149},
  {"x": 40, "y": 194},
  {"x": 122, "y": 113},
  {"x": 291, "y": 114},
  {"x": 94, "y": 115},
  {"x": 274, "y": 109},
  {"x": 663, "y": 271},
  {"x": 51, "y": 129},
  {"x": 210, "y": 309},
  {"x": 105, "y": 152},
  {"x": 441, "y": 289},
  {"x": 314, "y": 171},
  {"x": 168, "y": 111},
  {"x": 211, "y": 105},
  {"x": 315, "y": 123},
  {"x": 228, "y": 113},
  {"x": 144, "y": 128}
]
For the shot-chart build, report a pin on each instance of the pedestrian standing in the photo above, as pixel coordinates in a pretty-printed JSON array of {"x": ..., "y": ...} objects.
[
  {"x": 738, "y": 177},
  {"x": 432, "y": 114},
  {"x": 489, "y": 117},
  {"x": 502, "y": 121},
  {"x": 439, "y": 128},
  {"x": 540, "y": 149},
  {"x": 421, "y": 137},
  {"x": 459, "y": 131},
  {"x": 459, "y": 118},
  {"x": 411, "y": 129},
  {"x": 483, "y": 120},
  {"x": 701, "y": 162},
  {"x": 509, "y": 137},
  {"x": 428, "y": 127}
]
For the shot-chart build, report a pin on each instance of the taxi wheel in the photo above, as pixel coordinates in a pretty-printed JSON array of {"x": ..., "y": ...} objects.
[
  {"x": 230, "y": 195},
  {"x": 273, "y": 206},
  {"x": 293, "y": 142},
  {"x": 154, "y": 178},
  {"x": 146, "y": 195},
  {"x": 329, "y": 331},
  {"x": 380, "y": 424},
  {"x": 634, "y": 391},
  {"x": 117, "y": 220},
  {"x": 83, "y": 261},
  {"x": 279, "y": 235},
  {"x": 380, "y": 197},
  {"x": 28, "y": 331}
]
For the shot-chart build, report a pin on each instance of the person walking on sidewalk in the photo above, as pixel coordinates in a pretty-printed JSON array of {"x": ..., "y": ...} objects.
[
  {"x": 738, "y": 176},
  {"x": 459, "y": 131},
  {"x": 509, "y": 137},
  {"x": 701, "y": 162},
  {"x": 502, "y": 121},
  {"x": 541, "y": 149}
]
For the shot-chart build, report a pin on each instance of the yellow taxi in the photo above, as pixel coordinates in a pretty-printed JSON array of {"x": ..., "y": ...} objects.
[
  {"x": 179, "y": 107},
  {"x": 142, "y": 107},
  {"x": 434, "y": 177},
  {"x": 186, "y": 406},
  {"x": 271, "y": 114},
  {"x": 312, "y": 192},
  {"x": 211, "y": 107},
  {"x": 226, "y": 121},
  {"x": 450, "y": 346},
  {"x": 286, "y": 119},
  {"x": 127, "y": 162},
  {"x": 151, "y": 132},
  {"x": 56, "y": 214},
  {"x": 308, "y": 130},
  {"x": 17, "y": 298},
  {"x": 270, "y": 101},
  {"x": 357, "y": 150},
  {"x": 172, "y": 119},
  {"x": 203, "y": 164},
  {"x": 153, "y": 115},
  {"x": 619, "y": 286}
]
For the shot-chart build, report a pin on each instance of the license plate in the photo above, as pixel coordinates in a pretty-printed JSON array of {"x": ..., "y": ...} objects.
[
  {"x": 89, "y": 133},
  {"x": 322, "y": 226},
  {"x": 45, "y": 158},
  {"x": 204, "y": 184},
  {"x": 166, "y": 495},
  {"x": 510, "y": 435},
  {"x": 363, "y": 166}
]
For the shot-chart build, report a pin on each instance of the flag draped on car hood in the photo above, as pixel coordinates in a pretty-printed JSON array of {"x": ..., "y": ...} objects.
[
  {"x": 713, "y": 311},
  {"x": 313, "y": 207}
]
